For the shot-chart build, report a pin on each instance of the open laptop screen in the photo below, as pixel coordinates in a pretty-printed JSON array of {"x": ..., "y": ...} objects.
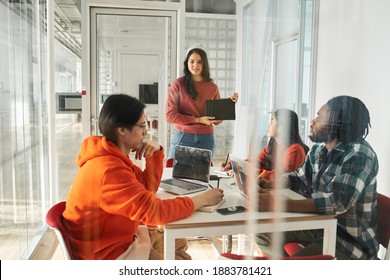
[
  {"x": 191, "y": 163},
  {"x": 239, "y": 169}
]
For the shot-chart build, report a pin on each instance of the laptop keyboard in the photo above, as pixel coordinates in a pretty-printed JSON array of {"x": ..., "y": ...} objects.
[{"x": 184, "y": 184}]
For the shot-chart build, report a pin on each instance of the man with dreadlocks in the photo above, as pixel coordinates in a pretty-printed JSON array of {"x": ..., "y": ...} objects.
[{"x": 337, "y": 177}]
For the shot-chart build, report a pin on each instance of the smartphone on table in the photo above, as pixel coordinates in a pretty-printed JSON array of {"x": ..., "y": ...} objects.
[{"x": 231, "y": 210}]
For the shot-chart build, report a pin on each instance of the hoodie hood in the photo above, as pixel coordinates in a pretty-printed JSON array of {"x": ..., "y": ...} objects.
[{"x": 99, "y": 146}]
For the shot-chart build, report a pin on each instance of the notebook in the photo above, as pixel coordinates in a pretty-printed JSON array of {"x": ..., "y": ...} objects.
[
  {"x": 239, "y": 170},
  {"x": 190, "y": 171},
  {"x": 211, "y": 208},
  {"x": 221, "y": 109}
]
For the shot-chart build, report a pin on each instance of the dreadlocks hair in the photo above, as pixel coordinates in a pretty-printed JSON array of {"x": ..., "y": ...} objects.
[
  {"x": 349, "y": 118},
  {"x": 188, "y": 80}
]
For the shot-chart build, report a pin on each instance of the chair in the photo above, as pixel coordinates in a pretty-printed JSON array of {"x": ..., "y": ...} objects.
[
  {"x": 169, "y": 162},
  {"x": 241, "y": 257},
  {"x": 292, "y": 247},
  {"x": 54, "y": 221},
  {"x": 383, "y": 228}
]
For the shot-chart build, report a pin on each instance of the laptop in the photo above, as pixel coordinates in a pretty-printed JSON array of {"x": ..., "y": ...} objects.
[
  {"x": 190, "y": 171},
  {"x": 239, "y": 170}
]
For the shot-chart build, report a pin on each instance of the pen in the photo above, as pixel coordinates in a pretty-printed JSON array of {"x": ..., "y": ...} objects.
[
  {"x": 261, "y": 174},
  {"x": 211, "y": 186},
  {"x": 226, "y": 161}
]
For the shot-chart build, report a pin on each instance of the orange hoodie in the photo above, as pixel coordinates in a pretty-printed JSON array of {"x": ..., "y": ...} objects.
[{"x": 110, "y": 196}]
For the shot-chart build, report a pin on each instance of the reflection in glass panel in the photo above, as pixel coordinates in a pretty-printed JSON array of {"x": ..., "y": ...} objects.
[
  {"x": 285, "y": 75},
  {"x": 307, "y": 66},
  {"x": 283, "y": 27},
  {"x": 23, "y": 119},
  {"x": 25, "y": 189}
]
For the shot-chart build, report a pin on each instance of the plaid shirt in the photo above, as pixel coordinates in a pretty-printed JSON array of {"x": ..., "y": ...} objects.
[{"x": 343, "y": 182}]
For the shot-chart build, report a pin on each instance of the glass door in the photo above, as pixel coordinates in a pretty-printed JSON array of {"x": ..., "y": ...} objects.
[{"x": 133, "y": 52}]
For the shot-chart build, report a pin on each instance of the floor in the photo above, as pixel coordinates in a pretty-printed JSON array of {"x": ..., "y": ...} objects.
[
  {"x": 21, "y": 223},
  {"x": 199, "y": 249}
]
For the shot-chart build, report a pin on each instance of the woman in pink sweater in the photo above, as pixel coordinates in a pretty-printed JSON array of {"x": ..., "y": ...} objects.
[
  {"x": 110, "y": 196},
  {"x": 186, "y": 104}
]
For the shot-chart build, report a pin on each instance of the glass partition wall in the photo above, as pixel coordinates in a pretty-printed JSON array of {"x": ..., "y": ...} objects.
[
  {"x": 25, "y": 192},
  {"x": 133, "y": 52},
  {"x": 276, "y": 63},
  {"x": 277, "y": 67},
  {"x": 23, "y": 126}
]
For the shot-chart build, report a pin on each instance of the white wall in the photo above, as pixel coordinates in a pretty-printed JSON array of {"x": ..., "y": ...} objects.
[{"x": 354, "y": 59}]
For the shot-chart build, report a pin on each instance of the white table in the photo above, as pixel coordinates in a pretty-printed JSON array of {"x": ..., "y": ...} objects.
[{"x": 210, "y": 224}]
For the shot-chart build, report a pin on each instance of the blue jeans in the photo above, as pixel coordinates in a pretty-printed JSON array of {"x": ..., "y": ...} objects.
[{"x": 204, "y": 141}]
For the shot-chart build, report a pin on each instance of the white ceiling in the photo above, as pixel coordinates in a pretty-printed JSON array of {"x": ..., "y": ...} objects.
[
  {"x": 114, "y": 32},
  {"x": 125, "y": 32},
  {"x": 122, "y": 31}
]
